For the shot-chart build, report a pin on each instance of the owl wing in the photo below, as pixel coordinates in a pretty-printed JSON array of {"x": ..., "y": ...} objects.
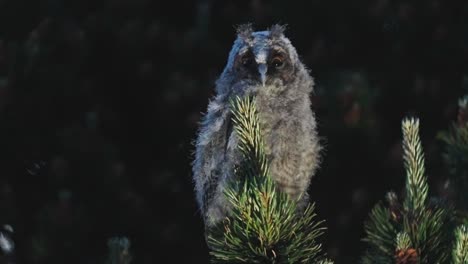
[{"x": 210, "y": 152}]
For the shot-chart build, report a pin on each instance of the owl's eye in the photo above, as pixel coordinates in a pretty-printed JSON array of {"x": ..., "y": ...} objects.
[{"x": 277, "y": 62}]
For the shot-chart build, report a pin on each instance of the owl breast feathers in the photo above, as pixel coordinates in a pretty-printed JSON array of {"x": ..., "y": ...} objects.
[{"x": 265, "y": 65}]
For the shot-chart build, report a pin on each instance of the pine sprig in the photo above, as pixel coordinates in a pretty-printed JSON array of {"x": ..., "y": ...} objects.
[
  {"x": 403, "y": 241},
  {"x": 418, "y": 230},
  {"x": 430, "y": 233},
  {"x": 405, "y": 254},
  {"x": 247, "y": 127},
  {"x": 380, "y": 231},
  {"x": 427, "y": 226},
  {"x": 416, "y": 184},
  {"x": 264, "y": 225},
  {"x": 460, "y": 250}
]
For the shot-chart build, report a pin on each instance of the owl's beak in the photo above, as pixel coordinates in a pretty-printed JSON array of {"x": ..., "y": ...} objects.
[{"x": 262, "y": 69}]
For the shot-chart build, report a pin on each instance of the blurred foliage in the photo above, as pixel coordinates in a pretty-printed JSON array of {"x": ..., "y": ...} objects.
[
  {"x": 99, "y": 104},
  {"x": 119, "y": 251},
  {"x": 456, "y": 155}
]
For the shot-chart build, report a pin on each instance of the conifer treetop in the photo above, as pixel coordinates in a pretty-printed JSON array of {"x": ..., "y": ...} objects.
[{"x": 413, "y": 156}]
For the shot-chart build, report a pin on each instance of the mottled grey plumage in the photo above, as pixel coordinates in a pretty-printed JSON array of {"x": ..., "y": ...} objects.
[{"x": 266, "y": 65}]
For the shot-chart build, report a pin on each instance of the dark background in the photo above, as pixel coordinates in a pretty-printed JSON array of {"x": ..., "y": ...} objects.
[{"x": 99, "y": 104}]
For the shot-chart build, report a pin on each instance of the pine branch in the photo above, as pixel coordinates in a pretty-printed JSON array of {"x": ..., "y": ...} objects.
[
  {"x": 403, "y": 241},
  {"x": 416, "y": 184},
  {"x": 247, "y": 128},
  {"x": 264, "y": 225},
  {"x": 380, "y": 231},
  {"x": 418, "y": 230},
  {"x": 427, "y": 226},
  {"x": 405, "y": 254},
  {"x": 460, "y": 250}
]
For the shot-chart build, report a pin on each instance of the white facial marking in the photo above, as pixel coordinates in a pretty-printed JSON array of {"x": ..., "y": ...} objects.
[{"x": 261, "y": 57}]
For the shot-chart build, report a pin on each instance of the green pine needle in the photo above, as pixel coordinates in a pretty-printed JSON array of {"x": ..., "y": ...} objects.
[
  {"x": 264, "y": 225},
  {"x": 418, "y": 223},
  {"x": 403, "y": 241},
  {"x": 460, "y": 251},
  {"x": 381, "y": 232},
  {"x": 247, "y": 127},
  {"x": 430, "y": 234},
  {"x": 416, "y": 184}
]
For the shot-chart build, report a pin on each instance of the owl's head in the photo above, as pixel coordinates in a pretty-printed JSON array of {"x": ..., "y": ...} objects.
[{"x": 262, "y": 58}]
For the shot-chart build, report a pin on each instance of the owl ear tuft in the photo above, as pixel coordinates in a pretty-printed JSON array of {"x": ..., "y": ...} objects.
[
  {"x": 277, "y": 30},
  {"x": 245, "y": 31}
]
